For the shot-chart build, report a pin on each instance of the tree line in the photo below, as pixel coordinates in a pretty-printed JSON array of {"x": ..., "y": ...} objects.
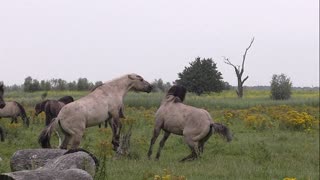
[
  {"x": 201, "y": 76},
  {"x": 82, "y": 84},
  {"x": 32, "y": 85}
]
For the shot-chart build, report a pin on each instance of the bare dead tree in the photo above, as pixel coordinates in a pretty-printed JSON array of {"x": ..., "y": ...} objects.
[{"x": 239, "y": 71}]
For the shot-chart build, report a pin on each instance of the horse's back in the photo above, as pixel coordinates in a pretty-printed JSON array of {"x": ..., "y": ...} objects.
[
  {"x": 10, "y": 110},
  {"x": 178, "y": 118},
  {"x": 53, "y": 107},
  {"x": 86, "y": 110}
]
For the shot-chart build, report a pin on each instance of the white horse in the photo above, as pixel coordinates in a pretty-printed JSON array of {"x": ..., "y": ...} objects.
[
  {"x": 104, "y": 103},
  {"x": 194, "y": 124}
]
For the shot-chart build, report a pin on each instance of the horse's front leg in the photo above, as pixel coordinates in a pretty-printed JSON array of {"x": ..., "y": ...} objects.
[
  {"x": 115, "y": 123},
  {"x": 156, "y": 132},
  {"x": 162, "y": 142}
]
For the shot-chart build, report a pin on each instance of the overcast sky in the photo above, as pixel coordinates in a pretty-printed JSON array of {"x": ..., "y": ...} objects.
[{"x": 101, "y": 40}]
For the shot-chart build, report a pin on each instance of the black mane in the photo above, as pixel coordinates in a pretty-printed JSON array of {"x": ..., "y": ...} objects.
[
  {"x": 66, "y": 99},
  {"x": 178, "y": 91}
]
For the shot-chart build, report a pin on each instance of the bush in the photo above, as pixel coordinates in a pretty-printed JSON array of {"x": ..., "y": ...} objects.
[{"x": 280, "y": 87}]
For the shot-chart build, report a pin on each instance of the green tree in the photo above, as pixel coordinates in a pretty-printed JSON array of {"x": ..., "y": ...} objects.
[
  {"x": 159, "y": 86},
  {"x": 83, "y": 84},
  {"x": 72, "y": 85},
  {"x": 201, "y": 76},
  {"x": 31, "y": 85},
  {"x": 45, "y": 85},
  {"x": 62, "y": 84},
  {"x": 35, "y": 85},
  {"x": 280, "y": 87},
  {"x": 27, "y": 84}
]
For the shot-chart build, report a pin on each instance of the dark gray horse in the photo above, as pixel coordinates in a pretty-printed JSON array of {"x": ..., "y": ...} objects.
[
  {"x": 52, "y": 107},
  {"x": 194, "y": 124},
  {"x": 2, "y": 104}
]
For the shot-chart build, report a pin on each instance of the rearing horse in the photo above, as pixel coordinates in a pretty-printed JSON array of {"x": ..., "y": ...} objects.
[{"x": 103, "y": 103}]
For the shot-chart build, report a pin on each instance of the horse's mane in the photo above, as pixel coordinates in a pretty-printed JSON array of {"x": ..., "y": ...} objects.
[
  {"x": 23, "y": 112},
  {"x": 177, "y": 91},
  {"x": 66, "y": 99},
  {"x": 95, "y": 87}
]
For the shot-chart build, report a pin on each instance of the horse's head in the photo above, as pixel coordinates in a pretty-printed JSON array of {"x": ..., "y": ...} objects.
[
  {"x": 37, "y": 109},
  {"x": 40, "y": 107},
  {"x": 2, "y": 103},
  {"x": 178, "y": 91},
  {"x": 139, "y": 84}
]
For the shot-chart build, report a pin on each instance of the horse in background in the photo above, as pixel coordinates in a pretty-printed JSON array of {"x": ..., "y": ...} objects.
[
  {"x": 2, "y": 104},
  {"x": 194, "y": 124},
  {"x": 52, "y": 107},
  {"x": 13, "y": 110},
  {"x": 103, "y": 103}
]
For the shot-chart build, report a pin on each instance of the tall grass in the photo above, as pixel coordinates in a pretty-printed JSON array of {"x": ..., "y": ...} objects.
[
  {"x": 226, "y": 99},
  {"x": 269, "y": 154}
]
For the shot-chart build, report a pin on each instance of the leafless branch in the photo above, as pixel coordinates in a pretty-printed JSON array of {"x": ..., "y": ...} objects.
[
  {"x": 245, "y": 54},
  {"x": 227, "y": 61},
  {"x": 244, "y": 79}
]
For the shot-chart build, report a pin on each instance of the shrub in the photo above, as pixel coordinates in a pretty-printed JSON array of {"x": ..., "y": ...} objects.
[{"x": 280, "y": 87}]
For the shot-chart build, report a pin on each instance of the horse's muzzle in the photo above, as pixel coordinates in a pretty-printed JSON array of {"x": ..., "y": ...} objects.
[{"x": 149, "y": 89}]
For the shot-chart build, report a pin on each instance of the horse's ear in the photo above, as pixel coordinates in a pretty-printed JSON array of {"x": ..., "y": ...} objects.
[{"x": 130, "y": 77}]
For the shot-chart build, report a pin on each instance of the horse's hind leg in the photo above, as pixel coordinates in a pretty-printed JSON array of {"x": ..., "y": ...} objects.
[
  {"x": 194, "y": 146},
  {"x": 65, "y": 141},
  {"x": 163, "y": 140},
  {"x": 194, "y": 154},
  {"x": 76, "y": 137},
  {"x": 203, "y": 141},
  {"x": 14, "y": 119},
  {"x": 1, "y": 134}
]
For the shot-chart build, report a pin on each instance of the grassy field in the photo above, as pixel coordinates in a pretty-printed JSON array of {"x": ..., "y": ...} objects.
[{"x": 272, "y": 139}]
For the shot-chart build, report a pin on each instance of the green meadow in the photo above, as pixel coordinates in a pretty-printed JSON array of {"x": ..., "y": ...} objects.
[{"x": 271, "y": 139}]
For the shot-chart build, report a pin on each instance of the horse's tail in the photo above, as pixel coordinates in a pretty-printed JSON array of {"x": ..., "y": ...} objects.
[
  {"x": 95, "y": 159},
  {"x": 44, "y": 137},
  {"x": 222, "y": 130},
  {"x": 23, "y": 114}
]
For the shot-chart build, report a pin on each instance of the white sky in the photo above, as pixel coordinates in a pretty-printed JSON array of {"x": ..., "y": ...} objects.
[{"x": 101, "y": 40}]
